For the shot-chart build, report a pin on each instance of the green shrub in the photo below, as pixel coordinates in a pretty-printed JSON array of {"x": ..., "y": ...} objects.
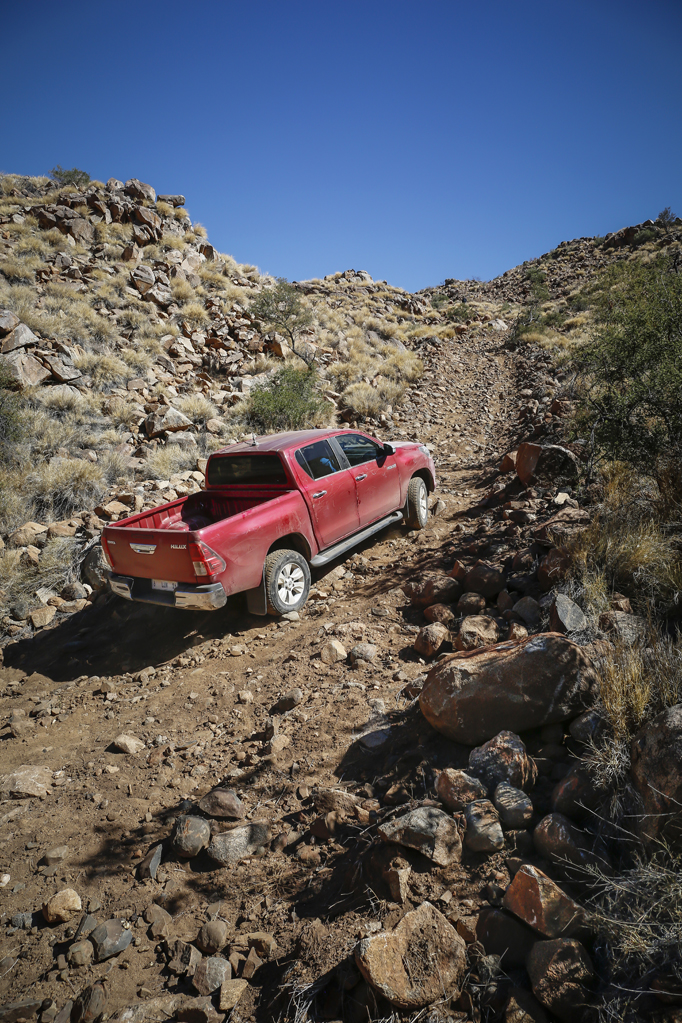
[
  {"x": 288, "y": 401},
  {"x": 76, "y": 177},
  {"x": 647, "y": 234},
  {"x": 459, "y": 313}
]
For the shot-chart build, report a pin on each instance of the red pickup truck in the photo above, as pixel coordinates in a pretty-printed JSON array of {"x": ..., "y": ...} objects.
[{"x": 270, "y": 510}]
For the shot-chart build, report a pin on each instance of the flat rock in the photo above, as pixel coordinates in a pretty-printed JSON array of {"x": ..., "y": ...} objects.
[
  {"x": 230, "y": 993},
  {"x": 221, "y": 802},
  {"x": 429, "y": 831},
  {"x": 110, "y": 938},
  {"x": 419, "y": 962},
  {"x": 518, "y": 685},
  {"x": 565, "y": 615},
  {"x": 12, "y": 1012},
  {"x": 456, "y": 788},
  {"x": 232, "y": 846},
  {"x": 26, "y": 782},
  {"x": 128, "y": 744},
  {"x": 210, "y": 974},
  {"x": 539, "y": 902}
]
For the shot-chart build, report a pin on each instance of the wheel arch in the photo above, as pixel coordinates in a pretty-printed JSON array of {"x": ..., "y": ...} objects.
[
  {"x": 426, "y": 476},
  {"x": 292, "y": 542}
]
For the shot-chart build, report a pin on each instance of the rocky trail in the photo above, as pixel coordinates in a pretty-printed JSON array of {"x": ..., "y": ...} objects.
[{"x": 133, "y": 737}]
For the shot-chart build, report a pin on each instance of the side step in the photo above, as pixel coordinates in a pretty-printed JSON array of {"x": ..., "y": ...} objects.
[{"x": 324, "y": 557}]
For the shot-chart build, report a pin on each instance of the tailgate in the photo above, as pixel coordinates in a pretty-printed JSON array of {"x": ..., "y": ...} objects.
[{"x": 150, "y": 553}]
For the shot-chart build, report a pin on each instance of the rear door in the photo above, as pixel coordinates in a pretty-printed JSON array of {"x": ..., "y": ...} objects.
[
  {"x": 375, "y": 475},
  {"x": 329, "y": 491}
]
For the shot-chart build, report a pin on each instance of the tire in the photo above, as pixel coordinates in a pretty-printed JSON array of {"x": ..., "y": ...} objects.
[
  {"x": 287, "y": 581},
  {"x": 417, "y": 504}
]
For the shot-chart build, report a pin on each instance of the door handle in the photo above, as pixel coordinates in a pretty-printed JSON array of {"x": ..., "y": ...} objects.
[
  {"x": 363, "y": 477},
  {"x": 320, "y": 493}
]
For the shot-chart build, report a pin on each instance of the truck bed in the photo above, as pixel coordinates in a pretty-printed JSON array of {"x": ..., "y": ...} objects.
[{"x": 198, "y": 510}]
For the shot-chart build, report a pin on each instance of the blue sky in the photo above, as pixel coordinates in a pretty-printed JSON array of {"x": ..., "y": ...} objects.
[{"x": 417, "y": 141}]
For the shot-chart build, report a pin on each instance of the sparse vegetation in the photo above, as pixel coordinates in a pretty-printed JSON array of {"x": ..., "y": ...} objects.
[
  {"x": 74, "y": 176},
  {"x": 287, "y": 401},
  {"x": 280, "y": 308}
]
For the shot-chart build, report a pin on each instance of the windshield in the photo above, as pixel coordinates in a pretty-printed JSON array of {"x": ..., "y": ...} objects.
[{"x": 245, "y": 469}]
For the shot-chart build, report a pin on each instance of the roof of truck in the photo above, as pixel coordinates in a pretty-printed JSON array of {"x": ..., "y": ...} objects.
[{"x": 278, "y": 441}]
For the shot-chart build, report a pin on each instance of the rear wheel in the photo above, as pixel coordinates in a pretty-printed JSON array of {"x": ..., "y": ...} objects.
[
  {"x": 287, "y": 581},
  {"x": 417, "y": 504}
]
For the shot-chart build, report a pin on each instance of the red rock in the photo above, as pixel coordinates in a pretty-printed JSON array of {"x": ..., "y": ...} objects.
[
  {"x": 559, "y": 971},
  {"x": 477, "y": 631},
  {"x": 503, "y": 935},
  {"x": 432, "y": 589},
  {"x": 576, "y": 794},
  {"x": 508, "y": 463},
  {"x": 553, "y": 568},
  {"x": 484, "y": 579},
  {"x": 549, "y": 462},
  {"x": 559, "y": 841},
  {"x": 439, "y": 613},
  {"x": 503, "y": 759},
  {"x": 456, "y": 788},
  {"x": 539, "y": 902},
  {"x": 430, "y": 639},
  {"x": 474, "y": 694}
]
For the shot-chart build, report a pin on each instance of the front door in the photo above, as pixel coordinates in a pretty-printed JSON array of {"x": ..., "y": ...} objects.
[
  {"x": 330, "y": 493},
  {"x": 376, "y": 476}
]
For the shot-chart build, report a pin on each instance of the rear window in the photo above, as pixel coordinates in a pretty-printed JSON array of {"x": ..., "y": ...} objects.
[{"x": 226, "y": 469}]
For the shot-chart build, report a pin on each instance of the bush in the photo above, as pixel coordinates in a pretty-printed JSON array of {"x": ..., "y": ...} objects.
[
  {"x": 76, "y": 177},
  {"x": 59, "y": 488},
  {"x": 11, "y": 414},
  {"x": 281, "y": 307},
  {"x": 288, "y": 401},
  {"x": 631, "y": 373}
]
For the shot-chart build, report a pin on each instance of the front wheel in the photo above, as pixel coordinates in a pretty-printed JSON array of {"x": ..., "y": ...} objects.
[
  {"x": 287, "y": 581},
  {"x": 417, "y": 504}
]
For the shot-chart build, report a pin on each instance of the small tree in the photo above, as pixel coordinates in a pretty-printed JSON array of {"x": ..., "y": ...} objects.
[
  {"x": 666, "y": 218},
  {"x": 76, "y": 177},
  {"x": 281, "y": 308},
  {"x": 287, "y": 401}
]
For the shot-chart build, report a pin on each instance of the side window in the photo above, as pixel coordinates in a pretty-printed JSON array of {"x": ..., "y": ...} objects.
[
  {"x": 319, "y": 460},
  {"x": 358, "y": 449}
]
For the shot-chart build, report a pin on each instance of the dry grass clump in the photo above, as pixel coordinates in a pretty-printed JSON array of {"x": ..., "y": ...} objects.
[
  {"x": 59, "y": 562},
  {"x": 168, "y": 460},
  {"x": 182, "y": 290},
  {"x": 198, "y": 408},
  {"x": 61, "y": 487},
  {"x": 105, "y": 370},
  {"x": 194, "y": 313},
  {"x": 368, "y": 400}
]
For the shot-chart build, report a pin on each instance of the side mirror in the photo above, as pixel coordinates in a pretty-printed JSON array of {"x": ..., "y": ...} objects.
[{"x": 389, "y": 449}]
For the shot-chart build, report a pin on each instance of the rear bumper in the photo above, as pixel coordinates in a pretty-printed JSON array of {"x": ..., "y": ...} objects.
[{"x": 205, "y": 597}]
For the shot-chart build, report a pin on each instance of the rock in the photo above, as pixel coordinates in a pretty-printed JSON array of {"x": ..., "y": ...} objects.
[
  {"x": 629, "y": 629},
  {"x": 587, "y": 727},
  {"x": 56, "y": 854},
  {"x": 430, "y": 639},
  {"x": 484, "y": 579},
  {"x": 95, "y": 569},
  {"x": 362, "y": 653},
  {"x": 139, "y": 190},
  {"x": 264, "y": 943},
  {"x": 470, "y": 604},
  {"x": 508, "y": 463},
  {"x": 503, "y": 935},
  {"x": 213, "y": 936},
  {"x": 19, "y": 338},
  {"x": 183, "y": 959},
  {"x": 518, "y": 685},
  {"x": 523, "y": 1007},
  {"x": 333, "y": 651},
  {"x": 232, "y": 846},
  {"x": 62, "y": 369},
  {"x": 432, "y": 589},
  {"x": 429, "y": 831},
  {"x": 559, "y": 841},
  {"x": 81, "y": 230},
  {"x": 27, "y": 534},
  {"x": 576, "y": 794},
  {"x": 81, "y": 953},
  {"x": 553, "y": 568},
  {"x": 73, "y": 591},
  {"x": 503, "y": 759},
  {"x": 230, "y": 993},
  {"x": 456, "y": 788},
  {"x": 421, "y": 961},
  {"x": 656, "y": 772},
  {"x": 517, "y": 631},
  {"x": 172, "y": 200},
  {"x": 287, "y": 702},
  {"x": 210, "y": 974},
  {"x": 477, "y": 631},
  {"x": 190, "y": 836},
  {"x": 334, "y": 801},
  {"x": 565, "y": 615},
  {"x": 128, "y": 744},
  {"x": 24, "y": 369},
  {"x": 151, "y": 863},
  {"x": 90, "y": 1004},
  {"x": 559, "y": 971},
  {"x": 528, "y": 610},
  {"x": 513, "y": 806},
  {"x": 159, "y": 920},
  {"x": 166, "y": 420},
  {"x": 61, "y": 907},
  {"x": 539, "y": 902},
  {"x": 13, "y": 1012},
  {"x": 26, "y": 782},
  {"x": 142, "y": 278},
  {"x": 42, "y": 616},
  {"x": 110, "y": 938},
  {"x": 550, "y": 463},
  {"x": 8, "y": 321},
  {"x": 221, "y": 802},
  {"x": 483, "y": 833},
  {"x": 439, "y": 613}
]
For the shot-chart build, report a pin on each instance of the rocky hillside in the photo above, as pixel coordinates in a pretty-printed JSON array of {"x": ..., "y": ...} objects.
[{"x": 426, "y": 796}]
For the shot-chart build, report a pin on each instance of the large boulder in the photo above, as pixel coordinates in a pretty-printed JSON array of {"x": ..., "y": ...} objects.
[
  {"x": 657, "y": 775},
  {"x": 26, "y": 371},
  {"x": 550, "y": 463},
  {"x": 417, "y": 963},
  {"x": 475, "y": 694},
  {"x": 137, "y": 189},
  {"x": 20, "y": 337}
]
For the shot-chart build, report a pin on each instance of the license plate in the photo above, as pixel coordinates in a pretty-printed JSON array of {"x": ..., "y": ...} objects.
[{"x": 163, "y": 584}]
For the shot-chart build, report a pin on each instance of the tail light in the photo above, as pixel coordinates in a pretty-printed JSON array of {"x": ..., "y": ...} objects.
[
  {"x": 107, "y": 552},
  {"x": 206, "y": 562}
]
